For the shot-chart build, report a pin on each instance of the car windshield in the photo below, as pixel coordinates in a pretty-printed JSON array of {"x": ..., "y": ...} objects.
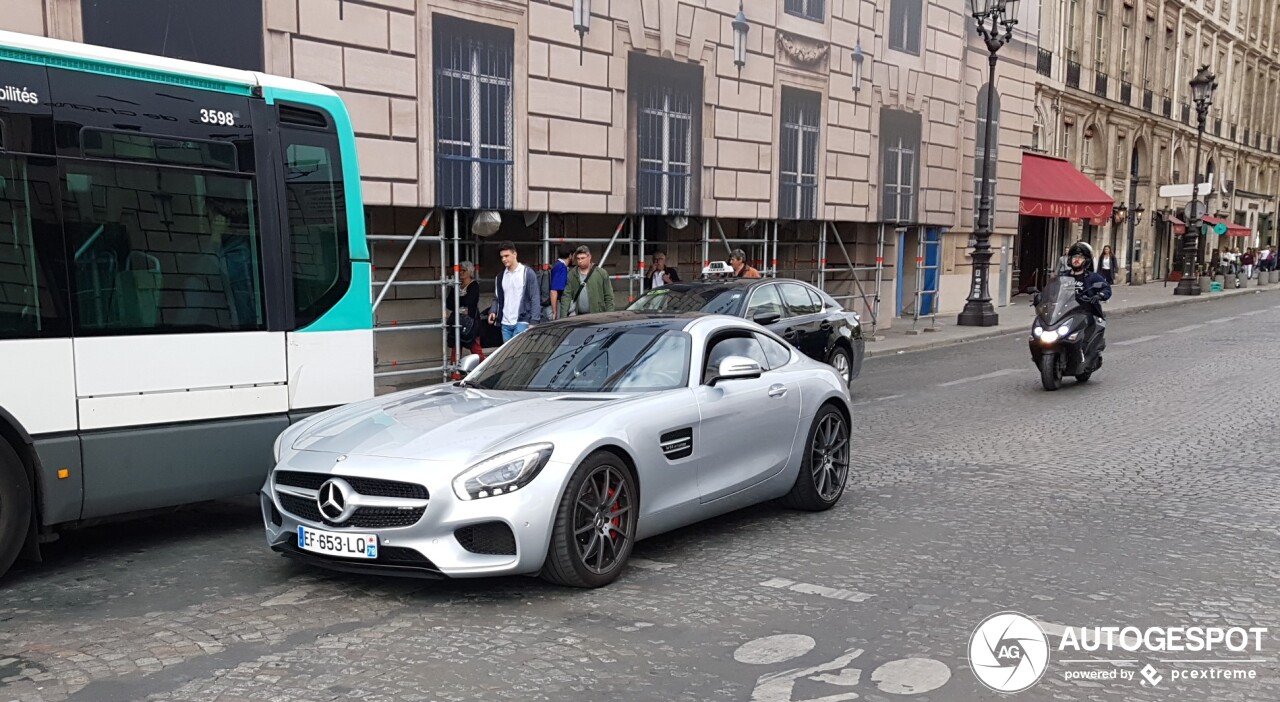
[
  {"x": 573, "y": 358},
  {"x": 709, "y": 299}
]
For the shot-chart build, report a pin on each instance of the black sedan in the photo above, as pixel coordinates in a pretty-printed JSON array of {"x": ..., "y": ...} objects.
[{"x": 800, "y": 313}]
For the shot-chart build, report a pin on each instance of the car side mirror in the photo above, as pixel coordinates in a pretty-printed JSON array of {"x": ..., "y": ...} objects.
[
  {"x": 764, "y": 319},
  {"x": 468, "y": 363},
  {"x": 737, "y": 368}
]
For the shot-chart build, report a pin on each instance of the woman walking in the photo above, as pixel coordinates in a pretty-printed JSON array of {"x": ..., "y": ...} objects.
[
  {"x": 1107, "y": 265},
  {"x": 469, "y": 321}
]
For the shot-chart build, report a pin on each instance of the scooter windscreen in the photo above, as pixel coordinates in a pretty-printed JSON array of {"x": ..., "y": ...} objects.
[{"x": 1057, "y": 300}]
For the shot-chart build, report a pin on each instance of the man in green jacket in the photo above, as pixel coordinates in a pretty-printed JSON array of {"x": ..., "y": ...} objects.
[{"x": 589, "y": 289}]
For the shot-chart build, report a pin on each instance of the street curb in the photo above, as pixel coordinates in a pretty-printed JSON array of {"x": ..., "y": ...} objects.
[{"x": 997, "y": 332}]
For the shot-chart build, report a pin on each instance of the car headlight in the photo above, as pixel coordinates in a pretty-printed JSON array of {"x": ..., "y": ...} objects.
[{"x": 503, "y": 473}]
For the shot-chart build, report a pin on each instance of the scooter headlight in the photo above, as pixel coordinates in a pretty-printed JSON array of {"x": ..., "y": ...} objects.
[
  {"x": 1062, "y": 330},
  {"x": 1049, "y": 337},
  {"x": 1038, "y": 331}
]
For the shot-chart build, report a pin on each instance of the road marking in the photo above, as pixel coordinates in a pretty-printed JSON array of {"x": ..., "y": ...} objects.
[
  {"x": 988, "y": 376},
  {"x": 1224, "y": 319},
  {"x": 774, "y": 649},
  {"x": 1139, "y": 340},
  {"x": 1250, "y": 314},
  {"x": 1189, "y": 327},
  {"x": 878, "y": 399},
  {"x": 911, "y": 676},
  {"x": 833, "y": 593}
]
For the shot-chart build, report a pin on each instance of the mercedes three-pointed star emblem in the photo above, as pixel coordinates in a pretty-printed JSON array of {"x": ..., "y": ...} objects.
[{"x": 333, "y": 499}]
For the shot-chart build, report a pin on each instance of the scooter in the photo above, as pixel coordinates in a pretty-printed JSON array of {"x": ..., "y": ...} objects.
[{"x": 1067, "y": 338}]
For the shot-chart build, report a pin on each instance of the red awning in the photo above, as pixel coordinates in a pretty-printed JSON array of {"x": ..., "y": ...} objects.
[
  {"x": 1179, "y": 226},
  {"x": 1052, "y": 187},
  {"x": 1233, "y": 229}
]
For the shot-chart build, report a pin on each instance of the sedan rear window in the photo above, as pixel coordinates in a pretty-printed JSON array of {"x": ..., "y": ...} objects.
[
  {"x": 567, "y": 358},
  {"x": 712, "y": 300}
]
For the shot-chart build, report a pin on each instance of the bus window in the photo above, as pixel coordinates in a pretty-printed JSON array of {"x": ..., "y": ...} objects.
[
  {"x": 32, "y": 300},
  {"x": 161, "y": 250},
  {"x": 317, "y": 216}
]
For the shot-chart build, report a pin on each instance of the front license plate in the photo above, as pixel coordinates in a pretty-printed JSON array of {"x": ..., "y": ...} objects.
[{"x": 333, "y": 544}]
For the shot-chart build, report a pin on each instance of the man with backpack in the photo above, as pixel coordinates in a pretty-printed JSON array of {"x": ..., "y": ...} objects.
[{"x": 589, "y": 289}]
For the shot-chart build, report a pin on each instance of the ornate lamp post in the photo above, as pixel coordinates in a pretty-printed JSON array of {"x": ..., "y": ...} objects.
[
  {"x": 1202, "y": 89},
  {"x": 996, "y": 19},
  {"x": 740, "y": 29}
]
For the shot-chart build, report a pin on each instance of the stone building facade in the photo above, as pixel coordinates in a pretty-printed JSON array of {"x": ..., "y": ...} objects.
[
  {"x": 644, "y": 125},
  {"x": 1114, "y": 98}
]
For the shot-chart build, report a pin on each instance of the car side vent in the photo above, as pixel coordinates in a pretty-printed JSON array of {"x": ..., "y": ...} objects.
[
  {"x": 302, "y": 117},
  {"x": 677, "y": 444}
]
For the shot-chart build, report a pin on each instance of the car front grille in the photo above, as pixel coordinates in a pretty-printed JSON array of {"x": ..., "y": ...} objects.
[
  {"x": 380, "y": 517},
  {"x": 365, "y": 486}
]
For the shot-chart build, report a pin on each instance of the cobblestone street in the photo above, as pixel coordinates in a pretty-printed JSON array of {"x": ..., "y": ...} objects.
[{"x": 1148, "y": 497}]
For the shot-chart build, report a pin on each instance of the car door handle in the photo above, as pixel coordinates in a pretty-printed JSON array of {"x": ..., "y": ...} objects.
[
  {"x": 825, "y": 326},
  {"x": 777, "y": 390},
  {"x": 790, "y": 334}
]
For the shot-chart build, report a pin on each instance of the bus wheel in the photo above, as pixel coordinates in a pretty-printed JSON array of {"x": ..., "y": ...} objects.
[{"x": 15, "y": 506}]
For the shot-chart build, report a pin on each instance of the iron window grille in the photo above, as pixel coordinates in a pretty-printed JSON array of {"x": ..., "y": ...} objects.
[
  {"x": 798, "y": 177},
  {"x": 1044, "y": 62},
  {"x": 473, "y": 106},
  {"x": 666, "y": 149}
]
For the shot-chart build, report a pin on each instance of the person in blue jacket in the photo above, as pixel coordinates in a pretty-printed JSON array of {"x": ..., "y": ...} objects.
[{"x": 1091, "y": 288}]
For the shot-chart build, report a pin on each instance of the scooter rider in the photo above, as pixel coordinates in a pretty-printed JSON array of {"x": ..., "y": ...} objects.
[{"x": 1092, "y": 289}]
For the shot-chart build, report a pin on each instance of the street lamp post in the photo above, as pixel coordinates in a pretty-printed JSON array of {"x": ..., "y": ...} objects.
[
  {"x": 1202, "y": 89},
  {"x": 995, "y": 19}
]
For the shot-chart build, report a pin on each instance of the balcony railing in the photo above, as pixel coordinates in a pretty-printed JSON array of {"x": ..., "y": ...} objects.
[
  {"x": 1167, "y": 108},
  {"x": 1100, "y": 84},
  {"x": 1186, "y": 113},
  {"x": 1126, "y": 92},
  {"x": 1044, "y": 62},
  {"x": 1148, "y": 100},
  {"x": 1233, "y": 132},
  {"x": 1073, "y": 74},
  {"x": 1217, "y": 126}
]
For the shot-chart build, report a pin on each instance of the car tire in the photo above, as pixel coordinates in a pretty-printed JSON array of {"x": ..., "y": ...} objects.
[
  {"x": 822, "y": 478},
  {"x": 842, "y": 361},
  {"x": 15, "y": 506},
  {"x": 591, "y": 558}
]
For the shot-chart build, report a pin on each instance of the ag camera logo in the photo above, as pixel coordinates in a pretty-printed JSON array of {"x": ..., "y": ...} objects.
[{"x": 1008, "y": 652}]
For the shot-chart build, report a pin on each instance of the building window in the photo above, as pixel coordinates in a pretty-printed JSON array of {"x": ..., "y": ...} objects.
[
  {"x": 905, "y": 20},
  {"x": 224, "y": 33},
  {"x": 980, "y": 150},
  {"x": 666, "y": 96},
  {"x": 899, "y": 145},
  {"x": 809, "y": 9},
  {"x": 798, "y": 177},
  {"x": 1100, "y": 40},
  {"x": 1126, "y": 45},
  {"x": 473, "y": 106},
  {"x": 1072, "y": 12}
]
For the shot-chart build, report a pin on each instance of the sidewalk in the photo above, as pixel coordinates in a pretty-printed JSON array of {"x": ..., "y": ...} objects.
[{"x": 1017, "y": 318}]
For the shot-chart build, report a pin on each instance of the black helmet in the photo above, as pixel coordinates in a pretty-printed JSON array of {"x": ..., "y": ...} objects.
[{"x": 1082, "y": 249}]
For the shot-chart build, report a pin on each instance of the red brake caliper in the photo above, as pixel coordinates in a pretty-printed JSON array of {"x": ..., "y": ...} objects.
[{"x": 616, "y": 521}]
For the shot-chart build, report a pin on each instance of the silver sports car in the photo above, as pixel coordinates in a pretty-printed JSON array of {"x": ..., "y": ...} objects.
[{"x": 561, "y": 450}]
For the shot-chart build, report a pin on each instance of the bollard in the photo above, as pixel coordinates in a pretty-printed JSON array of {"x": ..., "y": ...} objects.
[{"x": 1205, "y": 283}]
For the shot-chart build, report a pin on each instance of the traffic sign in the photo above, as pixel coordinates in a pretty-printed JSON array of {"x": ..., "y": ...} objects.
[{"x": 1219, "y": 229}]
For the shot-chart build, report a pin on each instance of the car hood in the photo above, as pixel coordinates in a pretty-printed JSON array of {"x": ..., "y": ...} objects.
[{"x": 448, "y": 424}]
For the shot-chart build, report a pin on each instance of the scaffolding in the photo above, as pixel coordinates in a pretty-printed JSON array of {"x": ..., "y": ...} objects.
[
  {"x": 444, "y": 232},
  {"x": 925, "y": 300},
  {"x": 870, "y": 301}
]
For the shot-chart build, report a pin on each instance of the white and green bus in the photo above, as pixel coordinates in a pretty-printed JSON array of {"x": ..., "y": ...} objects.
[{"x": 183, "y": 273}]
